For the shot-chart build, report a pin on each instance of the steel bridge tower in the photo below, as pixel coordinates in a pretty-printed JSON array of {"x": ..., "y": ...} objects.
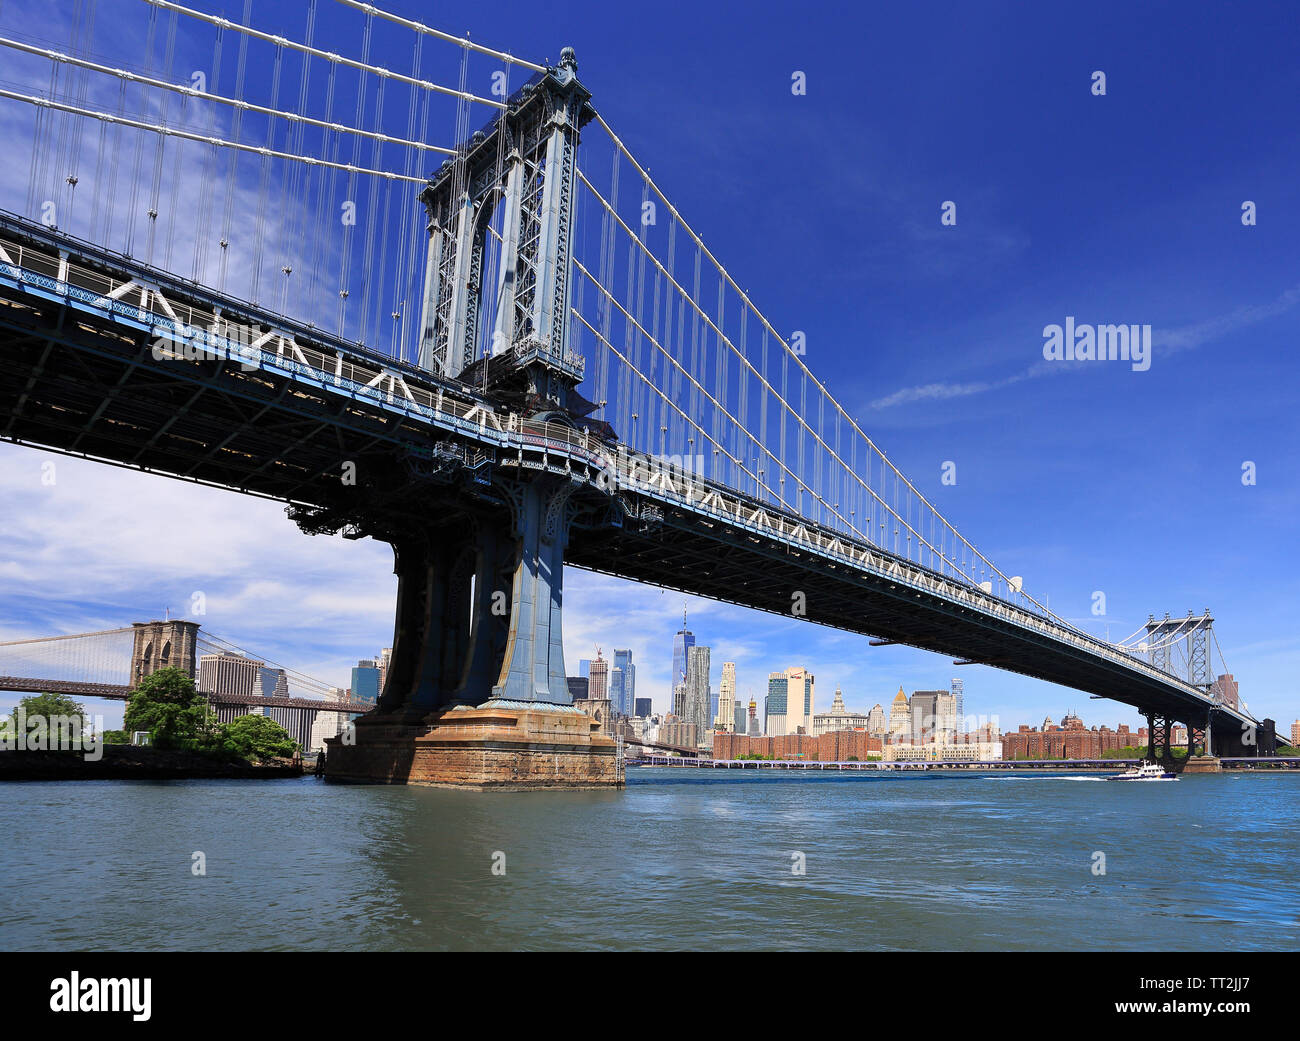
[{"x": 477, "y": 692}]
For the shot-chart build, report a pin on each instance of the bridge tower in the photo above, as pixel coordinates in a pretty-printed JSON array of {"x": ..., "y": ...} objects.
[
  {"x": 1191, "y": 636},
  {"x": 520, "y": 173},
  {"x": 162, "y": 644},
  {"x": 476, "y": 692}
]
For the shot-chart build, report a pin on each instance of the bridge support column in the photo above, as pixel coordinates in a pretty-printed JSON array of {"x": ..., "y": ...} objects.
[
  {"x": 533, "y": 670},
  {"x": 476, "y": 695},
  {"x": 1202, "y": 760}
]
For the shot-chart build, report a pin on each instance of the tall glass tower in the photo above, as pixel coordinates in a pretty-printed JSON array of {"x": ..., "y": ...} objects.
[
  {"x": 627, "y": 701},
  {"x": 682, "y": 643}
]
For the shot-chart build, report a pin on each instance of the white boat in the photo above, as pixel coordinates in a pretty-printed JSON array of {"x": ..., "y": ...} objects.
[{"x": 1145, "y": 772}]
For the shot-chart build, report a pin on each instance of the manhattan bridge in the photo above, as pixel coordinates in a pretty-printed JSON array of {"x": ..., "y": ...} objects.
[{"x": 423, "y": 292}]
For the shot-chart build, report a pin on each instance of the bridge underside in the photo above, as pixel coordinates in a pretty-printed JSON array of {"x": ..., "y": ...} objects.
[{"x": 708, "y": 558}]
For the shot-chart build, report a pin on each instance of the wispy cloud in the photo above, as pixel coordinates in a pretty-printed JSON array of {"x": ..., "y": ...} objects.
[{"x": 1164, "y": 342}]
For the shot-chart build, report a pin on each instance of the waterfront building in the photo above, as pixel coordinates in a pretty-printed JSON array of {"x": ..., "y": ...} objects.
[
  {"x": 1072, "y": 740},
  {"x": 327, "y": 724},
  {"x": 678, "y": 732},
  {"x": 1295, "y": 734},
  {"x": 900, "y": 716},
  {"x": 838, "y": 746},
  {"x": 838, "y": 718},
  {"x": 625, "y": 704},
  {"x": 726, "y": 717},
  {"x": 698, "y": 691},
  {"x": 959, "y": 696},
  {"x": 598, "y": 679},
  {"x": 944, "y": 752}
]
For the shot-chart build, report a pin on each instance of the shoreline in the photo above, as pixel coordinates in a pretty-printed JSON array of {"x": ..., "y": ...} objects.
[{"x": 133, "y": 763}]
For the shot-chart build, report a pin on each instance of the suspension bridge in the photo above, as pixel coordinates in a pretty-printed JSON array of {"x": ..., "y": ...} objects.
[
  {"x": 439, "y": 303},
  {"x": 110, "y": 663}
]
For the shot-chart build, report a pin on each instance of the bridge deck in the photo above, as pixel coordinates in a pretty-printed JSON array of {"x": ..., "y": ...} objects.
[{"x": 80, "y": 376}]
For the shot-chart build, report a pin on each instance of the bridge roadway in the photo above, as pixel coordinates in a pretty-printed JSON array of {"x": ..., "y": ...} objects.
[
  {"x": 277, "y": 412},
  {"x": 118, "y": 692}
]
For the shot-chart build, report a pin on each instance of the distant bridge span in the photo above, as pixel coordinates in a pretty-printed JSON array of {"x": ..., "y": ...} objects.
[{"x": 118, "y": 692}]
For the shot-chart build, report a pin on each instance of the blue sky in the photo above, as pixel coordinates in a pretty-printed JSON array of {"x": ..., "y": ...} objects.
[{"x": 1123, "y": 208}]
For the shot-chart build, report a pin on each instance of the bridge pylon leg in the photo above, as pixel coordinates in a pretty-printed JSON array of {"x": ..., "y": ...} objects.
[
  {"x": 533, "y": 670},
  {"x": 476, "y": 694}
]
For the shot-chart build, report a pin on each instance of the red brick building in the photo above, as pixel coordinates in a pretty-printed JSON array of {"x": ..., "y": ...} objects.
[
  {"x": 839, "y": 746},
  {"x": 1070, "y": 740}
]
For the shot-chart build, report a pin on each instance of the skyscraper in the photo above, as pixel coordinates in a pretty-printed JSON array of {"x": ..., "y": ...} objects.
[
  {"x": 698, "y": 692},
  {"x": 726, "y": 717},
  {"x": 625, "y": 705},
  {"x": 679, "y": 701},
  {"x": 960, "y": 695},
  {"x": 799, "y": 700},
  {"x": 229, "y": 674},
  {"x": 754, "y": 730},
  {"x": 365, "y": 681},
  {"x": 682, "y": 643},
  {"x": 900, "y": 717},
  {"x": 774, "y": 705},
  {"x": 945, "y": 717},
  {"x": 598, "y": 680},
  {"x": 615, "y": 694},
  {"x": 925, "y": 711}
]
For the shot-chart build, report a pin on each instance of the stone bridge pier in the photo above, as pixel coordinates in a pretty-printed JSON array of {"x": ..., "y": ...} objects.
[{"x": 476, "y": 694}]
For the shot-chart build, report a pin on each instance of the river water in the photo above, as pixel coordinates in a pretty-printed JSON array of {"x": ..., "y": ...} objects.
[{"x": 680, "y": 859}]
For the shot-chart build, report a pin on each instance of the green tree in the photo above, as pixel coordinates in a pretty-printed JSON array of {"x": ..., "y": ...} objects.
[
  {"x": 168, "y": 706},
  {"x": 257, "y": 737},
  {"x": 48, "y": 706},
  {"x": 57, "y": 717}
]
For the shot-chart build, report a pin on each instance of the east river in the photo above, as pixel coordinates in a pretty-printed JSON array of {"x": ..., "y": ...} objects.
[{"x": 681, "y": 859}]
